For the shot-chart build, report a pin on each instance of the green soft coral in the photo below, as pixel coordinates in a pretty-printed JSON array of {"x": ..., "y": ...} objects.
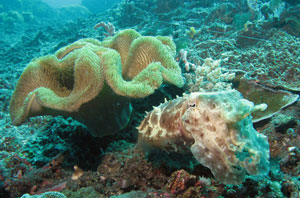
[{"x": 93, "y": 81}]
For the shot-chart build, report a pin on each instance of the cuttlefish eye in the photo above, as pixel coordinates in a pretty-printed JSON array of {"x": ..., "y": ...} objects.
[{"x": 192, "y": 105}]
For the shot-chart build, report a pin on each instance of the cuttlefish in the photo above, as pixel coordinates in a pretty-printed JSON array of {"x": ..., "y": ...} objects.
[{"x": 216, "y": 127}]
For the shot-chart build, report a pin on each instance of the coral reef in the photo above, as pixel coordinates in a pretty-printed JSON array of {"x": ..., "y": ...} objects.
[
  {"x": 216, "y": 127},
  {"x": 88, "y": 77},
  {"x": 262, "y": 44},
  {"x": 271, "y": 60},
  {"x": 267, "y": 49}
]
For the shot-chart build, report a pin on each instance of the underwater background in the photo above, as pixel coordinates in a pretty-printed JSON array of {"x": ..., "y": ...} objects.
[{"x": 149, "y": 98}]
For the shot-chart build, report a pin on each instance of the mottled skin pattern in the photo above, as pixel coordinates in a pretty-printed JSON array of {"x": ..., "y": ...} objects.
[
  {"x": 163, "y": 127},
  {"x": 216, "y": 127}
]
